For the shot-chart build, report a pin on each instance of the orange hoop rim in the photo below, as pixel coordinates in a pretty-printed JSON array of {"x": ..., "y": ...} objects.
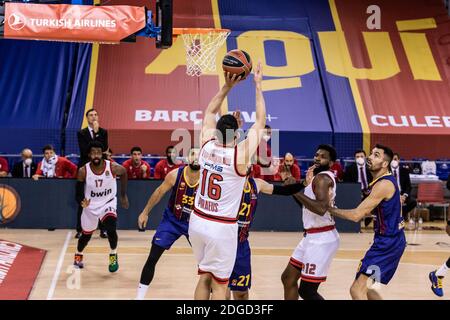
[{"x": 180, "y": 31}]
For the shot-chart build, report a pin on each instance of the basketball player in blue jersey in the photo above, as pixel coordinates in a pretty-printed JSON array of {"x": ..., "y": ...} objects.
[
  {"x": 175, "y": 223},
  {"x": 382, "y": 259},
  {"x": 241, "y": 277}
]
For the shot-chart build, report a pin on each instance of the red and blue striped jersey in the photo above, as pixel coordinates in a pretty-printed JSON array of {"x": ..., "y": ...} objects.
[
  {"x": 248, "y": 209},
  {"x": 388, "y": 219},
  {"x": 181, "y": 202}
]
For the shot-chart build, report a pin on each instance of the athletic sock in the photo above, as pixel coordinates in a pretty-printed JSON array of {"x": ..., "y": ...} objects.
[
  {"x": 113, "y": 251},
  {"x": 142, "y": 291},
  {"x": 442, "y": 271}
]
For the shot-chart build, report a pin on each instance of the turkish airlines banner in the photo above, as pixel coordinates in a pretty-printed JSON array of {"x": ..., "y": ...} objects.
[{"x": 64, "y": 22}]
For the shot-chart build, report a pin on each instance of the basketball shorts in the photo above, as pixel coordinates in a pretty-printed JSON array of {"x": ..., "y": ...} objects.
[
  {"x": 241, "y": 277},
  {"x": 314, "y": 254},
  {"x": 383, "y": 257},
  {"x": 214, "y": 245},
  {"x": 169, "y": 230},
  {"x": 90, "y": 217}
]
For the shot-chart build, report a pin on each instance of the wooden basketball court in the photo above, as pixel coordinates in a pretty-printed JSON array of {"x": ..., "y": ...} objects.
[{"x": 175, "y": 276}]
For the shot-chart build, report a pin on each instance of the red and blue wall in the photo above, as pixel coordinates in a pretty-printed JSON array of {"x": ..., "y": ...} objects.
[{"x": 329, "y": 78}]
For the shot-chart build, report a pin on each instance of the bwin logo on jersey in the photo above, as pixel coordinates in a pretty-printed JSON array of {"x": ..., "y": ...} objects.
[
  {"x": 214, "y": 167},
  {"x": 101, "y": 194}
]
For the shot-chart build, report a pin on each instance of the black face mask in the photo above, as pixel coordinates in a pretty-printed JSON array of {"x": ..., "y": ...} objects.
[
  {"x": 194, "y": 167},
  {"x": 321, "y": 169}
]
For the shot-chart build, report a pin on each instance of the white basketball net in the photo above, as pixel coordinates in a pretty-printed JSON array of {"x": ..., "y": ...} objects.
[{"x": 201, "y": 50}]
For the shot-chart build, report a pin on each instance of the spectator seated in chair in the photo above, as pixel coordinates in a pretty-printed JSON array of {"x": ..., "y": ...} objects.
[
  {"x": 4, "y": 168},
  {"x": 26, "y": 168},
  {"x": 53, "y": 166},
  {"x": 136, "y": 167},
  {"x": 164, "y": 166},
  {"x": 288, "y": 168}
]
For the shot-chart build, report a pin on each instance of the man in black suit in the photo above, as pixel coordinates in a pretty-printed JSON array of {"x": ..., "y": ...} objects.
[
  {"x": 401, "y": 173},
  {"x": 92, "y": 132},
  {"x": 25, "y": 168},
  {"x": 359, "y": 173}
]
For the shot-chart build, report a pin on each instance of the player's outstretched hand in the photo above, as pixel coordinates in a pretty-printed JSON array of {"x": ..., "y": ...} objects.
[
  {"x": 142, "y": 220},
  {"x": 258, "y": 73},
  {"x": 124, "y": 202},
  {"x": 237, "y": 116},
  {"x": 85, "y": 203},
  {"x": 231, "y": 79},
  {"x": 309, "y": 175}
]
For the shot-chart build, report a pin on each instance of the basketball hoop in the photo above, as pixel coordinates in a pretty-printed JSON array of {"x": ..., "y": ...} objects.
[{"x": 201, "y": 46}]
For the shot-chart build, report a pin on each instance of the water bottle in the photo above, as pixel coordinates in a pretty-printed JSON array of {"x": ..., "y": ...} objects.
[{"x": 420, "y": 224}]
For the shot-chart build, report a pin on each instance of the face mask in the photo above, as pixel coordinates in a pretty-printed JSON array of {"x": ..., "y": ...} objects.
[
  {"x": 394, "y": 164},
  {"x": 266, "y": 138},
  {"x": 169, "y": 159},
  {"x": 28, "y": 161},
  {"x": 360, "y": 161}
]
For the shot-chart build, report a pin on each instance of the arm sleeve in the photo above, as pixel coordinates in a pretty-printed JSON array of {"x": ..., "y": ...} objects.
[
  {"x": 79, "y": 196},
  {"x": 288, "y": 190},
  {"x": 72, "y": 168},
  {"x": 39, "y": 170}
]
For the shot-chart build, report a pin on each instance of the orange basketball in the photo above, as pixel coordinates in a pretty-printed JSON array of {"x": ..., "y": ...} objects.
[
  {"x": 237, "y": 62},
  {"x": 9, "y": 204}
]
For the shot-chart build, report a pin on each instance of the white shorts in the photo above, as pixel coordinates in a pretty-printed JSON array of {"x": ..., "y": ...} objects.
[
  {"x": 215, "y": 246},
  {"x": 89, "y": 217},
  {"x": 314, "y": 254}
]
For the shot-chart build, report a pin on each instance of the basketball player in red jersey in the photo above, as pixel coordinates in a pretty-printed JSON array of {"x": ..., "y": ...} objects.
[
  {"x": 99, "y": 201},
  {"x": 213, "y": 228}
]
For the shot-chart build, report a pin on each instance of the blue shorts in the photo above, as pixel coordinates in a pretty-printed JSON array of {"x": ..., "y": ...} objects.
[
  {"x": 241, "y": 277},
  {"x": 169, "y": 230},
  {"x": 383, "y": 257}
]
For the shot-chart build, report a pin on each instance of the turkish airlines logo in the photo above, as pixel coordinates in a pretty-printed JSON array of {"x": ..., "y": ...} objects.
[{"x": 16, "y": 21}]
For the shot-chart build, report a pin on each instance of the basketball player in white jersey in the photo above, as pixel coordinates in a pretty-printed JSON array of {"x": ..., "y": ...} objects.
[
  {"x": 99, "y": 201},
  {"x": 312, "y": 258},
  {"x": 213, "y": 229}
]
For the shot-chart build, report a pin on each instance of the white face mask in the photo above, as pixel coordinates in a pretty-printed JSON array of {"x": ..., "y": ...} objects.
[
  {"x": 394, "y": 164},
  {"x": 266, "y": 138},
  {"x": 27, "y": 161},
  {"x": 360, "y": 161}
]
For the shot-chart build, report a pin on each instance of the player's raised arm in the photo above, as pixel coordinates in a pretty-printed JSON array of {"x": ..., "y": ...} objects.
[
  {"x": 209, "y": 118},
  {"x": 166, "y": 185},
  {"x": 121, "y": 172},
  {"x": 321, "y": 186},
  {"x": 381, "y": 191},
  {"x": 285, "y": 190},
  {"x": 247, "y": 147}
]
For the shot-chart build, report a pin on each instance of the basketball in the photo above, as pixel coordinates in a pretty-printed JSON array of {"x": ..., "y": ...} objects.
[{"x": 237, "y": 62}]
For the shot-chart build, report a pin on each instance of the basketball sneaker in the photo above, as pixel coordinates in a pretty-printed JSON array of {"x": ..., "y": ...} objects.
[
  {"x": 78, "y": 261},
  {"x": 436, "y": 284},
  {"x": 113, "y": 262}
]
